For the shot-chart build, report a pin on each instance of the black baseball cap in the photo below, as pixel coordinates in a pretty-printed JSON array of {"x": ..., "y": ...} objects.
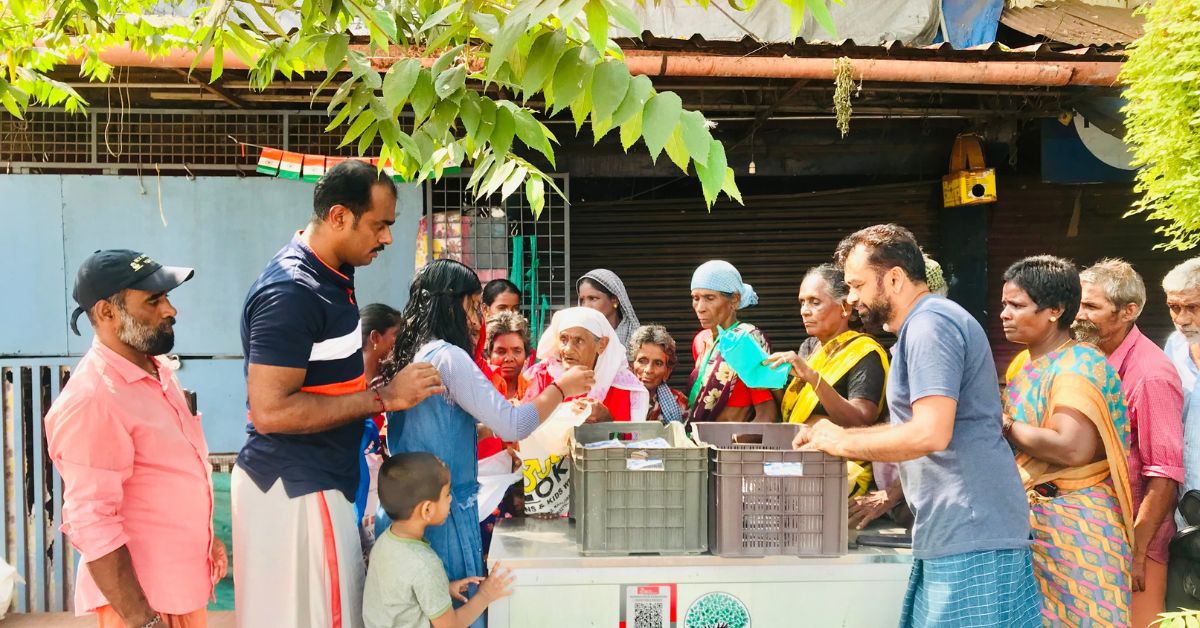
[{"x": 108, "y": 272}]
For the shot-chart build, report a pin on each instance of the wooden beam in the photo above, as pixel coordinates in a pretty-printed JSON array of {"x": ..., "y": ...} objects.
[{"x": 214, "y": 89}]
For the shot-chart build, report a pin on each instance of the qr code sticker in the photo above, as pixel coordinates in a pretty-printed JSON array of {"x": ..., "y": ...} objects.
[{"x": 649, "y": 613}]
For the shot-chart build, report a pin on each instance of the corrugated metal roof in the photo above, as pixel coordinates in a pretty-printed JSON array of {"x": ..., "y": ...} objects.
[
  {"x": 748, "y": 46},
  {"x": 1073, "y": 22}
]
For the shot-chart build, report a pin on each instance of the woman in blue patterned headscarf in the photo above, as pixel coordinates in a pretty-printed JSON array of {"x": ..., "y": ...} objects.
[{"x": 717, "y": 393}]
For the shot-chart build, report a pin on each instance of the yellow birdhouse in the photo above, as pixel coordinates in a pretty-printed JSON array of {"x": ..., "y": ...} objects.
[{"x": 969, "y": 181}]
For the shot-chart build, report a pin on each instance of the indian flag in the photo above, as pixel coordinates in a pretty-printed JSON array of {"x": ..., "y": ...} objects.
[
  {"x": 290, "y": 165},
  {"x": 314, "y": 167},
  {"x": 268, "y": 161}
]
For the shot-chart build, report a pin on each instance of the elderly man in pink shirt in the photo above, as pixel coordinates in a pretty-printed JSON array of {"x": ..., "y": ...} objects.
[
  {"x": 1113, "y": 297},
  {"x": 137, "y": 491}
]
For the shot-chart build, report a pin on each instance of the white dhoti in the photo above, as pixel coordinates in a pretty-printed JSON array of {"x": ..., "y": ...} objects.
[{"x": 297, "y": 562}]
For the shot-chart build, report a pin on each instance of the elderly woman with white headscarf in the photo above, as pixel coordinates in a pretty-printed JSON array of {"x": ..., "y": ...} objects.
[
  {"x": 581, "y": 336},
  {"x": 717, "y": 393},
  {"x": 603, "y": 291}
]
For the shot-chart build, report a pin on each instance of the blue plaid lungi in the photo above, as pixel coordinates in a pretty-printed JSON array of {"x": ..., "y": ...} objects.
[{"x": 975, "y": 589}]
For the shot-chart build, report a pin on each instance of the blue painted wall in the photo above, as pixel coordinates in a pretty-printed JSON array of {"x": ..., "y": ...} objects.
[{"x": 225, "y": 227}]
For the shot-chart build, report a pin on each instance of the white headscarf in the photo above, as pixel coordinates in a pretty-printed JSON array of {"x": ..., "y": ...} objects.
[{"x": 612, "y": 365}]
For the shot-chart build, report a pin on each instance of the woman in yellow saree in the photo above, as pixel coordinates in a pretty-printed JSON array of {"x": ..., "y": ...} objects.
[
  {"x": 1065, "y": 415},
  {"x": 838, "y": 373}
]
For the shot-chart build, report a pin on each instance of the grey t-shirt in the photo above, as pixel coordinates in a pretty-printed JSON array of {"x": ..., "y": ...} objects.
[
  {"x": 406, "y": 584},
  {"x": 969, "y": 497}
]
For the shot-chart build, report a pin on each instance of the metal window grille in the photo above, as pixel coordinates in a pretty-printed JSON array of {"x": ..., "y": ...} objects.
[
  {"x": 32, "y": 490},
  {"x": 481, "y": 233},
  {"x": 174, "y": 139}
]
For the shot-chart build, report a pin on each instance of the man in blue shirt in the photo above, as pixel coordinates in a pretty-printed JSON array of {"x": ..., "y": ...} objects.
[
  {"x": 1182, "y": 287},
  {"x": 299, "y": 560},
  {"x": 971, "y": 530}
]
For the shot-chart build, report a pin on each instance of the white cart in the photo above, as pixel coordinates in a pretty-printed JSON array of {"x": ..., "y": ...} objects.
[{"x": 558, "y": 587}]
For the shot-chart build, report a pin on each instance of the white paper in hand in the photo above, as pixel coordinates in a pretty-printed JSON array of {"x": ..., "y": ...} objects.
[{"x": 495, "y": 476}]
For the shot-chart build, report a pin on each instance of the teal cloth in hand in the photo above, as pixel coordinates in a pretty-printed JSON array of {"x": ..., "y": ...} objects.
[{"x": 745, "y": 356}]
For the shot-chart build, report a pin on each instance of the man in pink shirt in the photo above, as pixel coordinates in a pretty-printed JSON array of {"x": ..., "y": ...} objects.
[
  {"x": 137, "y": 491},
  {"x": 1113, "y": 297}
]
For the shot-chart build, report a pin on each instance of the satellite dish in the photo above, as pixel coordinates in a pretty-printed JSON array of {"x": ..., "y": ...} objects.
[{"x": 1107, "y": 148}]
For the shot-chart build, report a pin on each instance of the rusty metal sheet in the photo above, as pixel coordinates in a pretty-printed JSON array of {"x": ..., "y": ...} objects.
[{"x": 1073, "y": 22}]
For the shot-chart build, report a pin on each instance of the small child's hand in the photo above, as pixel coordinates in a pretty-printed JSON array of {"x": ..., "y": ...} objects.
[
  {"x": 458, "y": 588},
  {"x": 497, "y": 585}
]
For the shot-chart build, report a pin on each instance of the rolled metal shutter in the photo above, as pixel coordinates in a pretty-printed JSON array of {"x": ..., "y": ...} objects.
[{"x": 655, "y": 245}]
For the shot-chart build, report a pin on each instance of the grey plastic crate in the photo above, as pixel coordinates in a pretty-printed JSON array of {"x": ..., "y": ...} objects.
[
  {"x": 619, "y": 511},
  {"x": 752, "y": 513}
]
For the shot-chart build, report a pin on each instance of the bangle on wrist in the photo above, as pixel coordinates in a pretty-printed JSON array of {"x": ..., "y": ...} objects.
[
  {"x": 153, "y": 621},
  {"x": 379, "y": 398},
  {"x": 559, "y": 389}
]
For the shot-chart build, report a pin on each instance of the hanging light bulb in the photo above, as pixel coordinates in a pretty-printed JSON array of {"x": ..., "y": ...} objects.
[{"x": 751, "y": 169}]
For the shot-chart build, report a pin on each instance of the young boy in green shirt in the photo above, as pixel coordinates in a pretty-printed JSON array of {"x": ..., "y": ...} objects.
[{"x": 406, "y": 583}]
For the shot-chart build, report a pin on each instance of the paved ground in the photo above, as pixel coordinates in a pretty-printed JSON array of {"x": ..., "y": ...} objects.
[{"x": 216, "y": 619}]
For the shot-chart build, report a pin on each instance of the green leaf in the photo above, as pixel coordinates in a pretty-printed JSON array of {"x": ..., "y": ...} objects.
[
  {"x": 570, "y": 10},
  {"x": 265, "y": 16},
  {"x": 581, "y": 108},
  {"x": 487, "y": 24},
  {"x": 513, "y": 181},
  {"x": 443, "y": 115},
  {"x": 480, "y": 169},
  {"x": 570, "y": 76},
  {"x": 677, "y": 150},
  {"x": 439, "y": 16},
  {"x": 503, "y": 132},
  {"x": 597, "y": 22},
  {"x": 631, "y": 131},
  {"x": 360, "y": 125},
  {"x": 543, "y": 57},
  {"x": 820, "y": 13},
  {"x": 399, "y": 83},
  {"x": 422, "y": 96},
  {"x": 712, "y": 173},
  {"x": 730, "y": 186},
  {"x": 498, "y": 176},
  {"x": 487, "y": 121},
  {"x": 468, "y": 112},
  {"x": 624, "y": 16},
  {"x": 533, "y": 134},
  {"x": 660, "y": 117},
  {"x": 600, "y": 128},
  {"x": 11, "y": 105},
  {"x": 639, "y": 92},
  {"x": 446, "y": 59},
  {"x": 610, "y": 82},
  {"x": 511, "y": 29},
  {"x": 450, "y": 81},
  {"x": 368, "y": 138},
  {"x": 695, "y": 135},
  {"x": 535, "y": 195}
]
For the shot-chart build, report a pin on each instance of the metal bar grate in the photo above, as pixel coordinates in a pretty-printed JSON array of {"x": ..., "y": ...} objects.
[
  {"x": 176, "y": 139},
  {"x": 32, "y": 491},
  {"x": 481, "y": 233}
]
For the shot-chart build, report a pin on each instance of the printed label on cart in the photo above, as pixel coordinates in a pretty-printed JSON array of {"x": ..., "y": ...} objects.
[
  {"x": 648, "y": 606},
  {"x": 641, "y": 464},
  {"x": 783, "y": 468}
]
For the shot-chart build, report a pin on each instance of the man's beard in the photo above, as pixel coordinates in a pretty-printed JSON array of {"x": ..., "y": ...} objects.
[
  {"x": 1190, "y": 334},
  {"x": 1086, "y": 331},
  {"x": 875, "y": 315},
  {"x": 143, "y": 337}
]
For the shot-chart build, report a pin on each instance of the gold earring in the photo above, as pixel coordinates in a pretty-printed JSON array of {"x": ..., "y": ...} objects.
[{"x": 1053, "y": 319}]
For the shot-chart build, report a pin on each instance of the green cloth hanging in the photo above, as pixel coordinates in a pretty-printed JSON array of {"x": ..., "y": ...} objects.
[
  {"x": 531, "y": 287},
  {"x": 517, "y": 274}
]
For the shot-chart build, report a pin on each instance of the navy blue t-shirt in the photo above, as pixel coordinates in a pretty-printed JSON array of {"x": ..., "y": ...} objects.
[{"x": 301, "y": 313}]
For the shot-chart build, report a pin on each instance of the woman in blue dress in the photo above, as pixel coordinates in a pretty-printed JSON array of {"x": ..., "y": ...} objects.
[{"x": 442, "y": 323}]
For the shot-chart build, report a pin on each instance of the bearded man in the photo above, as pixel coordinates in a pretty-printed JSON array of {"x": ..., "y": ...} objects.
[
  {"x": 1113, "y": 297},
  {"x": 137, "y": 488},
  {"x": 971, "y": 532}
]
